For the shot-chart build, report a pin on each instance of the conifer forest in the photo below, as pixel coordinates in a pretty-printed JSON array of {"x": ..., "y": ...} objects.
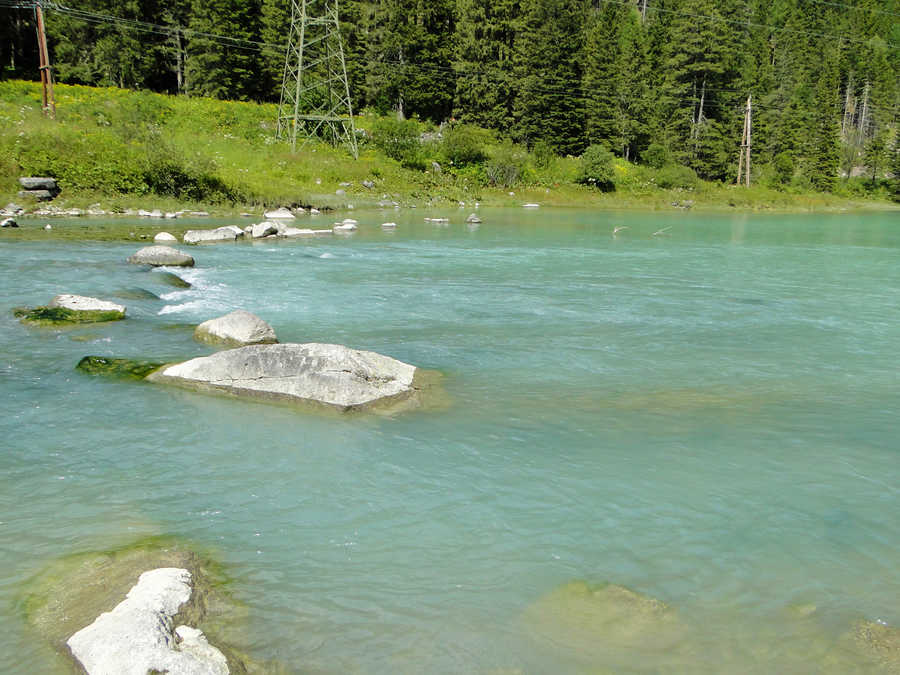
[{"x": 654, "y": 81}]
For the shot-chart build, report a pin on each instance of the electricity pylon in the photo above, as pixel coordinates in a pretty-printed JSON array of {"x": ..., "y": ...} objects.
[{"x": 315, "y": 93}]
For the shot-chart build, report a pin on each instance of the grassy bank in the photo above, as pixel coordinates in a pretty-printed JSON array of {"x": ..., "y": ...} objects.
[{"x": 124, "y": 149}]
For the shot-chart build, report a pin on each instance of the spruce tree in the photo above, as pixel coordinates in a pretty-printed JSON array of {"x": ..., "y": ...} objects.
[
  {"x": 219, "y": 67},
  {"x": 485, "y": 41},
  {"x": 824, "y": 153},
  {"x": 616, "y": 81},
  {"x": 549, "y": 102}
]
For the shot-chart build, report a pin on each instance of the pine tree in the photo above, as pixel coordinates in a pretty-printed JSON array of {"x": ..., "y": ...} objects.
[{"x": 549, "y": 102}]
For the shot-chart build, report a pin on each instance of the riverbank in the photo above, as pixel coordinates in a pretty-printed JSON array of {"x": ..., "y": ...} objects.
[{"x": 117, "y": 150}]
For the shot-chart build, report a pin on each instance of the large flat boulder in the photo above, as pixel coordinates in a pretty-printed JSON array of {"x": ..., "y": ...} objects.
[
  {"x": 161, "y": 256},
  {"x": 137, "y": 635},
  {"x": 229, "y": 233},
  {"x": 237, "y": 328},
  {"x": 326, "y": 375},
  {"x": 81, "y": 303}
]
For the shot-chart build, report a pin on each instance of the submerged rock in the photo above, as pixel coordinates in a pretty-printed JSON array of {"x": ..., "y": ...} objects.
[
  {"x": 237, "y": 328},
  {"x": 603, "y": 624},
  {"x": 327, "y": 375},
  {"x": 137, "y": 636},
  {"x": 136, "y": 294},
  {"x": 121, "y": 368},
  {"x": 71, "y": 309},
  {"x": 879, "y": 643},
  {"x": 473, "y": 218},
  {"x": 161, "y": 256},
  {"x": 171, "y": 279}
]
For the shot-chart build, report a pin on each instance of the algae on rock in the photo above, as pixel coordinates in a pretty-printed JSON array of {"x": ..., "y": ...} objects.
[
  {"x": 61, "y": 316},
  {"x": 123, "y": 368}
]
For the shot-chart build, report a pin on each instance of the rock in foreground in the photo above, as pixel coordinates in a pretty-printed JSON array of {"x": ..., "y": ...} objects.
[
  {"x": 137, "y": 635},
  {"x": 326, "y": 375},
  {"x": 238, "y": 328},
  {"x": 161, "y": 256},
  {"x": 74, "y": 591}
]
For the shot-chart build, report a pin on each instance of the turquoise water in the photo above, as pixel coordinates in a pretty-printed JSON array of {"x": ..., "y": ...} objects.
[{"x": 708, "y": 418}]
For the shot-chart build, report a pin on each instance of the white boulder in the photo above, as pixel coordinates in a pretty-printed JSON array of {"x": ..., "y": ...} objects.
[
  {"x": 325, "y": 374},
  {"x": 228, "y": 233},
  {"x": 81, "y": 303},
  {"x": 137, "y": 636},
  {"x": 389, "y": 226},
  {"x": 159, "y": 256},
  {"x": 237, "y": 328},
  {"x": 263, "y": 229},
  {"x": 296, "y": 232},
  {"x": 279, "y": 214},
  {"x": 165, "y": 238}
]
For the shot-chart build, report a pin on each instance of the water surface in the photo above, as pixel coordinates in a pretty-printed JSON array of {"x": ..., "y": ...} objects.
[{"x": 707, "y": 416}]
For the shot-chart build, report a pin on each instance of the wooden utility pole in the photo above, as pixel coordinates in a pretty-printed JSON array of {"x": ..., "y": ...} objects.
[
  {"x": 48, "y": 101},
  {"x": 746, "y": 142}
]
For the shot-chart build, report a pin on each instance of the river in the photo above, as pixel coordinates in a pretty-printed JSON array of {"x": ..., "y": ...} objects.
[{"x": 707, "y": 415}]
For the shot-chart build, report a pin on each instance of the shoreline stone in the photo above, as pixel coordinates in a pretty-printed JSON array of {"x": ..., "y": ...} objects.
[{"x": 228, "y": 233}]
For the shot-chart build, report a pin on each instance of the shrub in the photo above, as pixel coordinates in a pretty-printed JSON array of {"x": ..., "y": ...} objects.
[
  {"x": 464, "y": 144},
  {"x": 396, "y": 138},
  {"x": 543, "y": 154},
  {"x": 656, "y": 155},
  {"x": 508, "y": 165},
  {"x": 783, "y": 167},
  {"x": 677, "y": 176},
  {"x": 597, "y": 168}
]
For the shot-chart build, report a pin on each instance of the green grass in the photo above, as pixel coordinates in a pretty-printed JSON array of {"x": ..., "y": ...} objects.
[{"x": 127, "y": 149}]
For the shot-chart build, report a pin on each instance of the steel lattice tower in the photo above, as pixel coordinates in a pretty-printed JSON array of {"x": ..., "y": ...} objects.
[{"x": 315, "y": 94}]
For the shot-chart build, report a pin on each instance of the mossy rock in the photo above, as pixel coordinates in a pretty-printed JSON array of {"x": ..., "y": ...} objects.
[
  {"x": 121, "y": 368},
  {"x": 603, "y": 625},
  {"x": 170, "y": 279},
  {"x": 72, "y": 592},
  {"x": 60, "y": 316}
]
